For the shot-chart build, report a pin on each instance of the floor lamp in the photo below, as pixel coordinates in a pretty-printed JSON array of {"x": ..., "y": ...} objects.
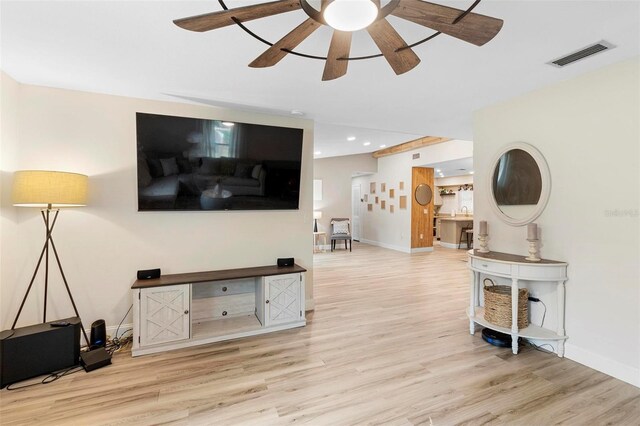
[
  {"x": 49, "y": 191},
  {"x": 316, "y": 215}
]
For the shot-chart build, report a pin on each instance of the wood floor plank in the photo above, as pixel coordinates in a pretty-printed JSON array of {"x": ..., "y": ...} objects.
[{"x": 388, "y": 343}]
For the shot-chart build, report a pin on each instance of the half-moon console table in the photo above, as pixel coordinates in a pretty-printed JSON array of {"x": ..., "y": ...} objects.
[
  {"x": 181, "y": 310},
  {"x": 516, "y": 268}
]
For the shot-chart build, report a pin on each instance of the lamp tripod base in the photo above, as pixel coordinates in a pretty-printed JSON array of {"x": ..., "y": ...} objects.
[{"x": 45, "y": 254}]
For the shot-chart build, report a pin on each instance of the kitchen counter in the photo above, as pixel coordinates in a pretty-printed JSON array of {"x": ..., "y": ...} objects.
[
  {"x": 450, "y": 229},
  {"x": 457, "y": 218}
]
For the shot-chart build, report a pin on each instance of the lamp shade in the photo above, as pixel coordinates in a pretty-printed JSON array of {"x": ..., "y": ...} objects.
[
  {"x": 40, "y": 188},
  {"x": 317, "y": 214}
]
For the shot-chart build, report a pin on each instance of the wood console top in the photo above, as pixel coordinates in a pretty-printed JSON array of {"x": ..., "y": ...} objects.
[
  {"x": 511, "y": 258},
  {"x": 227, "y": 274}
]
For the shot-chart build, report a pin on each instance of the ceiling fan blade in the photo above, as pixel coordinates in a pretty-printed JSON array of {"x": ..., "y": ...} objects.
[
  {"x": 389, "y": 41},
  {"x": 339, "y": 48},
  {"x": 473, "y": 28},
  {"x": 212, "y": 21},
  {"x": 274, "y": 54}
]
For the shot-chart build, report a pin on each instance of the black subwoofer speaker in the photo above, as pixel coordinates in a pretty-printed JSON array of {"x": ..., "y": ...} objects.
[{"x": 38, "y": 349}]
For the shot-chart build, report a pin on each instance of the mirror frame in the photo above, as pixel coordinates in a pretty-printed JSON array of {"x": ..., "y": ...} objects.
[
  {"x": 415, "y": 194},
  {"x": 546, "y": 184}
]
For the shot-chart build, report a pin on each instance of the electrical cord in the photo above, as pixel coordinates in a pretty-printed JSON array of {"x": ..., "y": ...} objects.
[
  {"x": 50, "y": 378},
  {"x": 541, "y": 347},
  {"x": 544, "y": 314},
  {"x": 122, "y": 320}
]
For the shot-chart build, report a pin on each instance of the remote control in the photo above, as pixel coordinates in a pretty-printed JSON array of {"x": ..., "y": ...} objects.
[{"x": 59, "y": 324}]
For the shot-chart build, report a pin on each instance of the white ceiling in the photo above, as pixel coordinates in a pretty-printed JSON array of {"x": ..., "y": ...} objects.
[
  {"x": 132, "y": 48},
  {"x": 458, "y": 167}
]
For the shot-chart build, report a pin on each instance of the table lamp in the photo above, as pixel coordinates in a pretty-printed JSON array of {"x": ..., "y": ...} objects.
[
  {"x": 317, "y": 214},
  {"x": 49, "y": 191}
]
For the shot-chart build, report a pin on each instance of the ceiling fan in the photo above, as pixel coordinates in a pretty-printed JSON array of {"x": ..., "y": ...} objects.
[{"x": 346, "y": 16}]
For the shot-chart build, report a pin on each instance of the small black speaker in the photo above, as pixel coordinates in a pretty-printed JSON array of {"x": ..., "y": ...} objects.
[
  {"x": 285, "y": 261},
  {"x": 98, "y": 334},
  {"x": 149, "y": 274}
]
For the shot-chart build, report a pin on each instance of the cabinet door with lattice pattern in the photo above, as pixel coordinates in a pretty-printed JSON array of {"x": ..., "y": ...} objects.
[
  {"x": 283, "y": 299},
  {"x": 164, "y": 314}
]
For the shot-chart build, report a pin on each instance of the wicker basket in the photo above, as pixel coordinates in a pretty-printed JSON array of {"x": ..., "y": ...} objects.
[{"x": 497, "y": 305}]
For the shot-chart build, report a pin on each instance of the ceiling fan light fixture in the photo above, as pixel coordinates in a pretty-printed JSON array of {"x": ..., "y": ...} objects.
[{"x": 350, "y": 15}]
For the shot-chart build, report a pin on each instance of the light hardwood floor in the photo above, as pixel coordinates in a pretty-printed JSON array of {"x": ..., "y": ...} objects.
[{"x": 388, "y": 343}]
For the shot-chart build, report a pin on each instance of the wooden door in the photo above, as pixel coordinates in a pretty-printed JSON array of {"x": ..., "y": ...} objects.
[
  {"x": 164, "y": 314},
  {"x": 421, "y": 216},
  {"x": 283, "y": 302}
]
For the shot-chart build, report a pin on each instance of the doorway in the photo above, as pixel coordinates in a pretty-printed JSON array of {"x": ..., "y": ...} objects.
[{"x": 356, "y": 204}]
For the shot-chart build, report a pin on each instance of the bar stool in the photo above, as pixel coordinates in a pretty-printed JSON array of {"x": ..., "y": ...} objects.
[
  {"x": 466, "y": 231},
  {"x": 470, "y": 238}
]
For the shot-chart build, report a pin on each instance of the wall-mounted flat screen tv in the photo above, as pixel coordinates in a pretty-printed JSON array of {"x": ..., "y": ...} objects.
[{"x": 195, "y": 164}]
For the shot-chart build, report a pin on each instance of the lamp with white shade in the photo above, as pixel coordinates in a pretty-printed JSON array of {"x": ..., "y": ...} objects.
[
  {"x": 49, "y": 190},
  {"x": 317, "y": 214}
]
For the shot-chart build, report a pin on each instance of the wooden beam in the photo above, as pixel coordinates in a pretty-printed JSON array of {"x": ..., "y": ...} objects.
[{"x": 408, "y": 146}]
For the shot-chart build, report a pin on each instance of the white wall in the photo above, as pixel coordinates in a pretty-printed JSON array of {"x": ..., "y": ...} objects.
[
  {"x": 393, "y": 230},
  {"x": 103, "y": 245},
  {"x": 336, "y": 173},
  {"x": 588, "y": 128}
]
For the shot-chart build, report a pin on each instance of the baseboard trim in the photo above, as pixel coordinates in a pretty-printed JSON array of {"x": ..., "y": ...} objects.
[
  {"x": 453, "y": 246},
  {"x": 111, "y": 330},
  {"x": 309, "y": 305},
  {"x": 387, "y": 246},
  {"x": 421, "y": 250},
  {"x": 605, "y": 365}
]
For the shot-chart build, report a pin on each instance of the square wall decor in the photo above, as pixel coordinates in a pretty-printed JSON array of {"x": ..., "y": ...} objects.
[
  {"x": 401, "y": 186},
  {"x": 369, "y": 207},
  {"x": 383, "y": 187},
  {"x": 372, "y": 187},
  {"x": 392, "y": 193},
  {"x": 403, "y": 201},
  {"x": 383, "y": 204},
  {"x": 377, "y": 200},
  {"x": 391, "y": 209}
]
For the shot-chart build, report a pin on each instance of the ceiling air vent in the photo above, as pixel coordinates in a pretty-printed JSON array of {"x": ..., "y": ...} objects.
[{"x": 582, "y": 54}]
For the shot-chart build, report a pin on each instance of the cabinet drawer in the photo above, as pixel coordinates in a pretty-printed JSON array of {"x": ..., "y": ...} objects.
[
  {"x": 222, "y": 306},
  {"x": 491, "y": 267},
  {"x": 223, "y": 288}
]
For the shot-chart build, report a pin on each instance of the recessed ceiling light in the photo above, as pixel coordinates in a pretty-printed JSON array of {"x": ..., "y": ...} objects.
[
  {"x": 382, "y": 146},
  {"x": 438, "y": 170},
  {"x": 297, "y": 112},
  {"x": 366, "y": 143},
  {"x": 228, "y": 124},
  {"x": 317, "y": 153},
  {"x": 351, "y": 138},
  {"x": 471, "y": 172}
]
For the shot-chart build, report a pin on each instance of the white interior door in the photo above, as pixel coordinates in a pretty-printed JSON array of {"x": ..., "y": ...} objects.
[{"x": 356, "y": 205}]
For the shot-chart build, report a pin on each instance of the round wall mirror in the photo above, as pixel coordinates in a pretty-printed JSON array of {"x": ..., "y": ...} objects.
[
  {"x": 423, "y": 194},
  {"x": 519, "y": 184}
]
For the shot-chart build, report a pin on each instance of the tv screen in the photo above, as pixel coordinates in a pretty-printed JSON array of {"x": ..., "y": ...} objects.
[{"x": 195, "y": 164}]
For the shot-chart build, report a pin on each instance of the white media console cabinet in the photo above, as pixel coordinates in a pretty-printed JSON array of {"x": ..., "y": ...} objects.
[{"x": 181, "y": 310}]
